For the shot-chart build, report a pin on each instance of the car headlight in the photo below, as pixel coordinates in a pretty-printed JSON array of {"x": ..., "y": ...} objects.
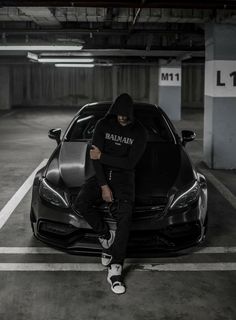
[
  {"x": 186, "y": 197},
  {"x": 53, "y": 195}
]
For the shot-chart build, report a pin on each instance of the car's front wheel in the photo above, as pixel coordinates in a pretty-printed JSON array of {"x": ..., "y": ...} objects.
[{"x": 32, "y": 219}]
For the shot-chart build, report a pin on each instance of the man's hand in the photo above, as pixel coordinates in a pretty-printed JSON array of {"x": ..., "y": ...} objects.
[
  {"x": 95, "y": 153},
  {"x": 107, "y": 193}
]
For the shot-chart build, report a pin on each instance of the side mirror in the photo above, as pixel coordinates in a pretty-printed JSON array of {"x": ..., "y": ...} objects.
[
  {"x": 55, "y": 134},
  {"x": 187, "y": 136}
]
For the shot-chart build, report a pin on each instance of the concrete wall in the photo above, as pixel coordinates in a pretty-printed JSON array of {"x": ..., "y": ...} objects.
[
  {"x": 4, "y": 88},
  {"x": 50, "y": 86},
  {"x": 220, "y": 96},
  {"x": 193, "y": 85},
  {"x": 44, "y": 85}
]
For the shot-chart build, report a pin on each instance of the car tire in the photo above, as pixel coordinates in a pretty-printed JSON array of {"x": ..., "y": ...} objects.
[{"x": 32, "y": 219}]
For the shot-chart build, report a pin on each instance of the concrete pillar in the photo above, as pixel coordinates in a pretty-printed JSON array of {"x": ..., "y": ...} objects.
[
  {"x": 114, "y": 82},
  {"x": 4, "y": 88},
  {"x": 220, "y": 97},
  {"x": 153, "y": 84},
  {"x": 169, "y": 88}
]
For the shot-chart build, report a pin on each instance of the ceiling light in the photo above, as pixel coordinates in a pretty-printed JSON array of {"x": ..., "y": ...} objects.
[
  {"x": 66, "y": 54},
  {"x": 74, "y": 65},
  {"x": 40, "y": 48},
  {"x": 65, "y": 60},
  {"x": 32, "y": 56}
]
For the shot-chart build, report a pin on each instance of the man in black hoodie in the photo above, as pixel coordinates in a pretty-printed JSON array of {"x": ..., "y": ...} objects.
[{"x": 118, "y": 143}]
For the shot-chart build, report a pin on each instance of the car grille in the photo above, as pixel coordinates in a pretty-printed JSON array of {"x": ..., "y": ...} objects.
[
  {"x": 148, "y": 212},
  {"x": 55, "y": 229},
  {"x": 150, "y": 201},
  {"x": 148, "y": 207},
  {"x": 182, "y": 230},
  {"x": 145, "y": 207},
  {"x": 170, "y": 238}
]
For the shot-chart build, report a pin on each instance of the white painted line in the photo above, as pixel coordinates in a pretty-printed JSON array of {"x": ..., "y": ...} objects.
[
  {"x": 219, "y": 266},
  {"x": 18, "y": 196},
  {"x": 215, "y": 250},
  {"x": 29, "y": 250},
  {"x": 227, "y": 194},
  {"x": 48, "y": 250},
  {"x": 51, "y": 267}
]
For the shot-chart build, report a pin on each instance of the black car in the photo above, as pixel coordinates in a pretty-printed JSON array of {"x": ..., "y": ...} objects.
[{"x": 170, "y": 211}]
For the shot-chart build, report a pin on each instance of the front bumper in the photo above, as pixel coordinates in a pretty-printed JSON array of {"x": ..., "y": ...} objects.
[{"x": 173, "y": 231}]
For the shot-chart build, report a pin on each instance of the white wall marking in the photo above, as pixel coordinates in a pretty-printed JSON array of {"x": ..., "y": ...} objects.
[{"x": 18, "y": 196}]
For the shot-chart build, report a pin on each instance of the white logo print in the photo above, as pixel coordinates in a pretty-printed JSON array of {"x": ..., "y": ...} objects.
[
  {"x": 117, "y": 268},
  {"x": 118, "y": 139}
]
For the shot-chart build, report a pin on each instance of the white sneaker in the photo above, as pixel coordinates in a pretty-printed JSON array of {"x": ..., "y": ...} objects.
[
  {"x": 106, "y": 243},
  {"x": 105, "y": 259},
  {"x": 114, "y": 278}
]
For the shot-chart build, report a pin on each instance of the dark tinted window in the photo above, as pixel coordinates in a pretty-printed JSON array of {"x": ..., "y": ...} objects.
[
  {"x": 155, "y": 125},
  {"x": 153, "y": 121},
  {"x": 82, "y": 128}
]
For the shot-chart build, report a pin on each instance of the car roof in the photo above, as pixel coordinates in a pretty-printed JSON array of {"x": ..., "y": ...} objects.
[{"x": 103, "y": 106}]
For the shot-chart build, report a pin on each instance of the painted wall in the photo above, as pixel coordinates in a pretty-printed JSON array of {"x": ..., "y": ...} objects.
[
  {"x": 50, "y": 86},
  {"x": 193, "y": 85},
  {"x": 5, "y": 102},
  {"x": 44, "y": 85}
]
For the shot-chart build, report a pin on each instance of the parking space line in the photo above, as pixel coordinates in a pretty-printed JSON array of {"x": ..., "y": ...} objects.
[
  {"x": 29, "y": 250},
  {"x": 227, "y": 194},
  {"x": 95, "y": 267},
  {"x": 218, "y": 266},
  {"x": 18, "y": 196},
  {"x": 48, "y": 250},
  {"x": 215, "y": 250}
]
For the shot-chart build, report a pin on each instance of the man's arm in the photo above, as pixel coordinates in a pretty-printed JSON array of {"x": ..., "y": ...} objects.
[{"x": 98, "y": 140}]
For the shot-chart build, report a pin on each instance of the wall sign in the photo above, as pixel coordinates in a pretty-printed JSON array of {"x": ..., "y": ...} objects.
[
  {"x": 220, "y": 78},
  {"x": 170, "y": 76}
]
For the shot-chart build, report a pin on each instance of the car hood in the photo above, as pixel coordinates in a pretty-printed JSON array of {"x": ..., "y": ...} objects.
[
  {"x": 163, "y": 167},
  {"x": 157, "y": 170},
  {"x": 75, "y": 165}
]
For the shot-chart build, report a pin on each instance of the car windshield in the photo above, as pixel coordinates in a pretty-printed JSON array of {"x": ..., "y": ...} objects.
[{"x": 158, "y": 130}]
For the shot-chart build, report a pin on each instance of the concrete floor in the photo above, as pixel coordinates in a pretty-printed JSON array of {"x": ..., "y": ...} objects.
[{"x": 86, "y": 295}]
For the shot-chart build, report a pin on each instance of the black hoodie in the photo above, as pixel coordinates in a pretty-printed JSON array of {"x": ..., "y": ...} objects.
[
  {"x": 123, "y": 105},
  {"x": 121, "y": 146}
]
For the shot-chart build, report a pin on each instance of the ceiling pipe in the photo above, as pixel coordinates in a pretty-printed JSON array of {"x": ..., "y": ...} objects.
[
  {"x": 137, "y": 14},
  {"x": 127, "y": 53},
  {"x": 97, "y": 31},
  {"x": 183, "y": 4}
]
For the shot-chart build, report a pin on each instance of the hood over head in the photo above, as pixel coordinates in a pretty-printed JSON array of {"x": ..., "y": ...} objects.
[{"x": 123, "y": 106}]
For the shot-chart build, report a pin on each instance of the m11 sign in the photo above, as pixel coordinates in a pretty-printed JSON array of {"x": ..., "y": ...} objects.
[{"x": 170, "y": 77}]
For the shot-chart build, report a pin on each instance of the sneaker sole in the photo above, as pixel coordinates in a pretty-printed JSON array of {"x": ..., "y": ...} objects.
[
  {"x": 107, "y": 259},
  {"x": 112, "y": 233},
  {"x": 113, "y": 289}
]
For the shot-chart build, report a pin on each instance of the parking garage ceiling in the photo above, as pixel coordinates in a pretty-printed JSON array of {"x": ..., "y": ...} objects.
[{"x": 112, "y": 31}]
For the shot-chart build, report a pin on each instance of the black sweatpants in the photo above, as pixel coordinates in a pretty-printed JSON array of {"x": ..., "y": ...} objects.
[{"x": 122, "y": 186}]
